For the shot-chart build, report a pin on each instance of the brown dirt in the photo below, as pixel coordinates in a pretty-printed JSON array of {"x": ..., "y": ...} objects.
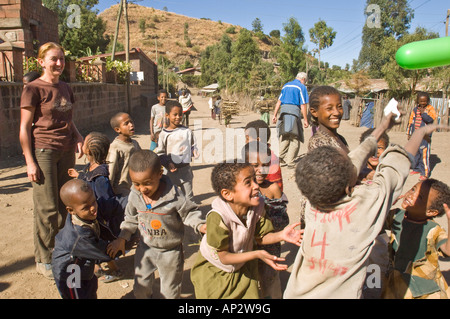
[{"x": 18, "y": 278}]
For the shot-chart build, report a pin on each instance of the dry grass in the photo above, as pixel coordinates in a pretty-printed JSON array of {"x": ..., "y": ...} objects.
[{"x": 168, "y": 29}]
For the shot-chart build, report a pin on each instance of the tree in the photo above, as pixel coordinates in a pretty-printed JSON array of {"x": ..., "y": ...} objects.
[
  {"x": 257, "y": 25},
  {"x": 275, "y": 34},
  {"x": 359, "y": 81},
  {"x": 215, "y": 61},
  {"x": 394, "y": 21},
  {"x": 88, "y": 29},
  {"x": 292, "y": 54},
  {"x": 245, "y": 56},
  {"x": 401, "y": 80},
  {"x": 236, "y": 65},
  {"x": 322, "y": 35}
]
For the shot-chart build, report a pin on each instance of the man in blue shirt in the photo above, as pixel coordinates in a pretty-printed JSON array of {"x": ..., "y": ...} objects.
[{"x": 293, "y": 102}]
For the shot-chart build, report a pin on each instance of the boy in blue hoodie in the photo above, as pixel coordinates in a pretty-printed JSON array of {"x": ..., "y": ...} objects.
[{"x": 80, "y": 244}]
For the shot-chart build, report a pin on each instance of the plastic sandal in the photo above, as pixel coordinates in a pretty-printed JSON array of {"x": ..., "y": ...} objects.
[{"x": 113, "y": 276}]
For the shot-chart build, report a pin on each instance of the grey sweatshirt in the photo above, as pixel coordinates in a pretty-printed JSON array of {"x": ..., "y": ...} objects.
[{"x": 162, "y": 226}]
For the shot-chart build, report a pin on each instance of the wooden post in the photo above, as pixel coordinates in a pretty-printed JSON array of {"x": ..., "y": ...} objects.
[{"x": 119, "y": 14}]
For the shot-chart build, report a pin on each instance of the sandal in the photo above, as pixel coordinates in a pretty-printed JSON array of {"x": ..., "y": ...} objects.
[
  {"x": 113, "y": 276},
  {"x": 99, "y": 273}
]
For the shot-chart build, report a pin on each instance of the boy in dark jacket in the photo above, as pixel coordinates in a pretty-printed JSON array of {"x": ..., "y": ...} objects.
[{"x": 80, "y": 244}]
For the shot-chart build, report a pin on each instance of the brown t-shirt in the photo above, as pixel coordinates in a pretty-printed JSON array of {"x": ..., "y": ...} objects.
[{"x": 52, "y": 115}]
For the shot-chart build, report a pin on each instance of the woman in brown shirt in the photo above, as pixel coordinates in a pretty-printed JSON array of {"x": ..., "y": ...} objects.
[{"x": 49, "y": 139}]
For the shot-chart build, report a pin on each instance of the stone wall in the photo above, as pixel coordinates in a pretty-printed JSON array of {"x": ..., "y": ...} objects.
[{"x": 95, "y": 104}]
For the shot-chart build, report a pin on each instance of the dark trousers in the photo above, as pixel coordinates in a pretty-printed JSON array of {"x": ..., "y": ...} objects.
[{"x": 88, "y": 289}]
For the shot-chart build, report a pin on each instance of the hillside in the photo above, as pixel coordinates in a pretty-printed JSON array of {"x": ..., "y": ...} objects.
[{"x": 169, "y": 30}]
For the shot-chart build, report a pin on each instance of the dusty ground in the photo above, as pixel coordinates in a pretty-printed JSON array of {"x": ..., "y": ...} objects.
[{"x": 18, "y": 278}]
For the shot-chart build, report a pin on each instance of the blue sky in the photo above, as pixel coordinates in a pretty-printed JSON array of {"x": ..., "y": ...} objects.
[{"x": 345, "y": 17}]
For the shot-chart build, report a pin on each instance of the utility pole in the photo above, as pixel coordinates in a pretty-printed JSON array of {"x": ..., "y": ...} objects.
[
  {"x": 123, "y": 7},
  {"x": 127, "y": 31},
  {"x": 446, "y": 22},
  {"x": 119, "y": 14}
]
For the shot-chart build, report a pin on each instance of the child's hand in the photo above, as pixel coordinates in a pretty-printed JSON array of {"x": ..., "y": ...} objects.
[
  {"x": 433, "y": 127},
  {"x": 291, "y": 235},
  {"x": 115, "y": 246},
  {"x": 195, "y": 153},
  {"x": 172, "y": 167},
  {"x": 72, "y": 173},
  {"x": 202, "y": 229},
  {"x": 272, "y": 260}
]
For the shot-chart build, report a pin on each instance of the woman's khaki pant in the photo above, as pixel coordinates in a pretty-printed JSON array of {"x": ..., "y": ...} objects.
[{"x": 49, "y": 212}]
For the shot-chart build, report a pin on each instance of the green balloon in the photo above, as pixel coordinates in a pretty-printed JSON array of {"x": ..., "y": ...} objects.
[{"x": 424, "y": 54}]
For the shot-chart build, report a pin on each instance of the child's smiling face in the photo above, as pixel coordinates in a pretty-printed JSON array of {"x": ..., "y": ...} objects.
[
  {"x": 84, "y": 205},
  {"x": 261, "y": 164},
  {"x": 246, "y": 191},
  {"x": 162, "y": 98},
  {"x": 175, "y": 116},
  {"x": 418, "y": 200},
  {"x": 330, "y": 111}
]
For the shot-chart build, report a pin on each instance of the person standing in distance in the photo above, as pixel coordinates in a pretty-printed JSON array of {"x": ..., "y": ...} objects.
[{"x": 292, "y": 104}]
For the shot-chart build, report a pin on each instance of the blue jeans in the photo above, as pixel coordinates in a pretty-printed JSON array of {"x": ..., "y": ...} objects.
[{"x": 153, "y": 145}]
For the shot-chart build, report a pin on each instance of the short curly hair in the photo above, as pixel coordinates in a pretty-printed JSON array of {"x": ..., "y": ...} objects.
[
  {"x": 142, "y": 160},
  {"x": 443, "y": 195},
  {"x": 323, "y": 174},
  {"x": 256, "y": 129},
  {"x": 170, "y": 105},
  {"x": 224, "y": 175},
  {"x": 423, "y": 94},
  {"x": 114, "y": 121}
]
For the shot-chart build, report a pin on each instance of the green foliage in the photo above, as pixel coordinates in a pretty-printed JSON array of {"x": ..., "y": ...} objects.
[
  {"x": 121, "y": 68},
  {"x": 395, "y": 21},
  {"x": 231, "y": 30},
  {"x": 291, "y": 55},
  {"x": 275, "y": 34},
  {"x": 31, "y": 64},
  {"x": 257, "y": 25},
  {"x": 236, "y": 65},
  {"x": 322, "y": 35},
  {"x": 399, "y": 79},
  {"x": 90, "y": 32},
  {"x": 142, "y": 25}
]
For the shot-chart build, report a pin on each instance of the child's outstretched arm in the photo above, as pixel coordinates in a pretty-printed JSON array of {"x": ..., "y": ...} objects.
[
  {"x": 413, "y": 144},
  {"x": 288, "y": 234},
  {"x": 228, "y": 258},
  {"x": 445, "y": 248}
]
